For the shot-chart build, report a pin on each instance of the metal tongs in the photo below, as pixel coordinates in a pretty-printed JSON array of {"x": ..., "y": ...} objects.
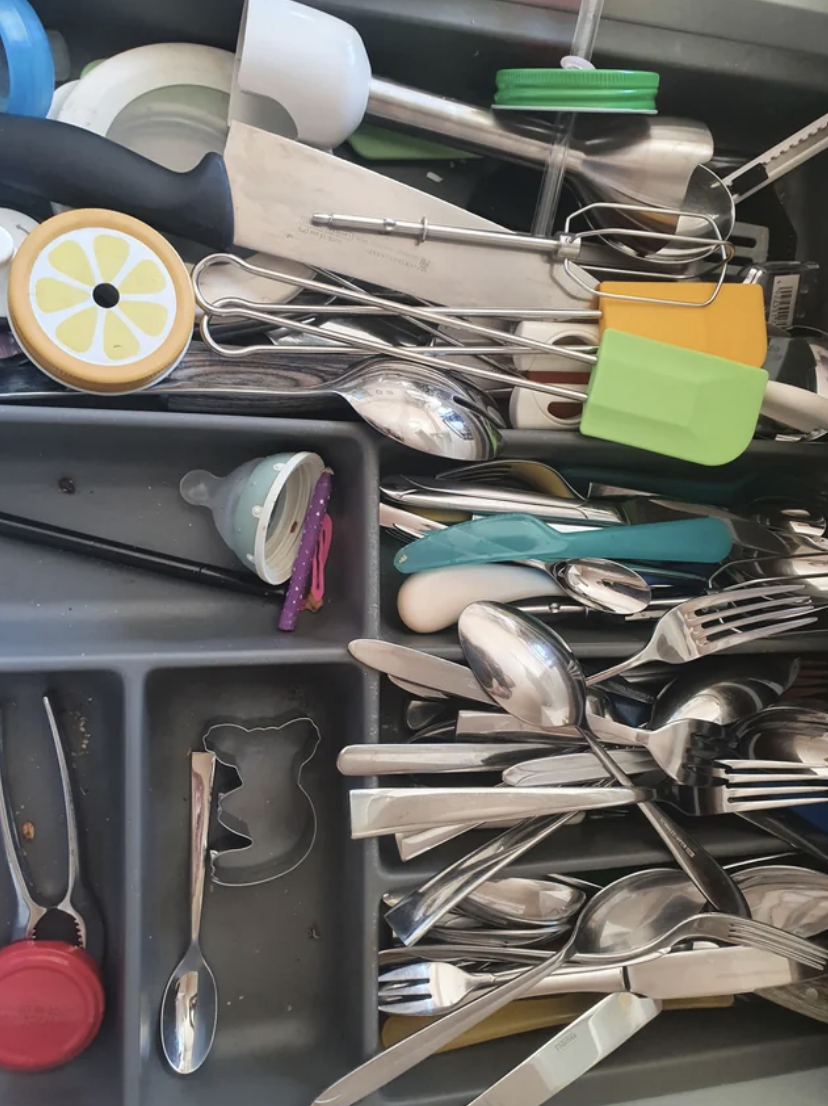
[{"x": 29, "y": 912}]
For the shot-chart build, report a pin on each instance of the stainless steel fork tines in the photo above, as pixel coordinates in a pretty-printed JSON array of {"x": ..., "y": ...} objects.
[
  {"x": 727, "y": 793},
  {"x": 679, "y": 748},
  {"x": 709, "y": 623},
  {"x": 434, "y": 988}
]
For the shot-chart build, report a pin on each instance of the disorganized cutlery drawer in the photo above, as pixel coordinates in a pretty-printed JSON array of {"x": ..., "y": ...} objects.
[
  {"x": 139, "y": 669},
  {"x": 237, "y": 536}
]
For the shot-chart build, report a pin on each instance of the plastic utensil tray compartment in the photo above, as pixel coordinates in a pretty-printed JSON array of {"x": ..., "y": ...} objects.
[{"x": 139, "y": 665}]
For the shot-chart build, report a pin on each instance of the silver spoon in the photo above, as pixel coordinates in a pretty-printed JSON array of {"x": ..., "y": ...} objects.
[
  {"x": 189, "y": 1008},
  {"x": 645, "y": 905},
  {"x": 426, "y": 410},
  {"x": 603, "y": 585},
  {"x": 528, "y": 902},
  {"x": 724, "y": 689},
  {"x": 414, "y": 404},
  {"x": 512, "y": 903},
  {"x": 532, "y": 673},
  {"x": 790, "y": 898},
  {"x": 805, "y": 919}
]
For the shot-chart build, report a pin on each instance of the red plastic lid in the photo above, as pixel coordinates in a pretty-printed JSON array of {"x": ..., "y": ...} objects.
[{"x": 51, "y": 1004}]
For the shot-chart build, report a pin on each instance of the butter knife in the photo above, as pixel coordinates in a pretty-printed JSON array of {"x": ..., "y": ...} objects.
[{"x": 572, "y": 1052}]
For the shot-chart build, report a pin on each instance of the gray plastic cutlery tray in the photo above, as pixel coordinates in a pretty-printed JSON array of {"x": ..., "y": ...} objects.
[{"x": 139, "y": 666}]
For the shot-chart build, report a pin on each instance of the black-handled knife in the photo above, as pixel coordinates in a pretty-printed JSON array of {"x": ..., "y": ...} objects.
[
  {"x": 69, "y": 165},
  {"x": 261, "y": 195}
]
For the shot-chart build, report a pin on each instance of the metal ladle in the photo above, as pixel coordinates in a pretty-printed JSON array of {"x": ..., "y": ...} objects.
[
  {"x": 708, "y": 211},
  {"x": 640, "y": 159},
  {"x": 532, "y": 673}
]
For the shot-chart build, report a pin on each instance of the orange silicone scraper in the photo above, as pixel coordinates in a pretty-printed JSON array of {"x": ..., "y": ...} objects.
[{"x": 732, "y": 326}]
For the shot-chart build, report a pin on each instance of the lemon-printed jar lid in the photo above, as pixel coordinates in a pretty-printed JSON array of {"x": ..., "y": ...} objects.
[{"x": 100, "y": 301}]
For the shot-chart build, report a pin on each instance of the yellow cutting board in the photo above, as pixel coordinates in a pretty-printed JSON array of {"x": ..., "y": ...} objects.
[{"x": 732, "y": 326}]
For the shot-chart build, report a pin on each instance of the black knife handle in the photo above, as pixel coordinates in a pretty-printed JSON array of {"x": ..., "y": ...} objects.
[{"x": 72, "y": 166}]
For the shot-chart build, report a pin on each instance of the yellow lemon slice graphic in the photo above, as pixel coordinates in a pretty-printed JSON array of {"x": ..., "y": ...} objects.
[{"x": 100, "y": 301}]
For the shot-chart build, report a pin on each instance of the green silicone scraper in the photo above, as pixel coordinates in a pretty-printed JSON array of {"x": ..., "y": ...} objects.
[{"x": 674, "y": 401}]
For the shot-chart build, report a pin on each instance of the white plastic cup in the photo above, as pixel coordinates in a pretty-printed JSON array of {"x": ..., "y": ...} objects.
[{"x": 300, "y": 73}]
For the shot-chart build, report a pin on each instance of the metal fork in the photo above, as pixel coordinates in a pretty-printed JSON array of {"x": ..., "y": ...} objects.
[
  {"x": 678, "y": 748},
  {"x": 767, "y": 771},
  {"x": 428, "y": 988},
  {"x": 729, "y": 794},
  {"x": 732, "y": 931},
  {"x": 711, "y": 623}
]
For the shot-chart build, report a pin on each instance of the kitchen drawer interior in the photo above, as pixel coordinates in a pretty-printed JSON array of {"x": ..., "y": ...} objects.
[
  {"x": 89, "y": 709},
  {"x": 750, "y": 1039},
  {"x": 118, "y": 478},
  {"x": 291, "y": 955},
  {"x": 766, "y": 470},
  {"x": 139, "y": 666}
]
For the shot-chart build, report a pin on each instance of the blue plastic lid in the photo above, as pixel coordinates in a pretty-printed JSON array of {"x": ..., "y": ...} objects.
[{"x": 27, "y": 73}]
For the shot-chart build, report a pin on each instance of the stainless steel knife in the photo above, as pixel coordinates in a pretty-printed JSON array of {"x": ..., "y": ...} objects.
[
  {"x": 261, "y": 194},
  {"x": 497, "y": 724},
  {"x": 572, "y": 1052},
  {"x": 436, "y": 494},
  {"x": 573, "y": 768},
  {"x": 736, "y": 970},
  {"x": 412, "y": 667},
  {"x": 452, "y": 756},
  {"x": 383, "y": 810},
  {"x": 419, "y": 668}
]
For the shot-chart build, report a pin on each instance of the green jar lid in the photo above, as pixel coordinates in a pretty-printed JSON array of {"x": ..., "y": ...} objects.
[
  {"x": 577, "y": 89},
  {"x": 577, "y": 78}
]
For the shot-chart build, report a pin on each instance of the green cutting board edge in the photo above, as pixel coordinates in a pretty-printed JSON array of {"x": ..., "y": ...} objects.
[{"x": 674, "y": 401}]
